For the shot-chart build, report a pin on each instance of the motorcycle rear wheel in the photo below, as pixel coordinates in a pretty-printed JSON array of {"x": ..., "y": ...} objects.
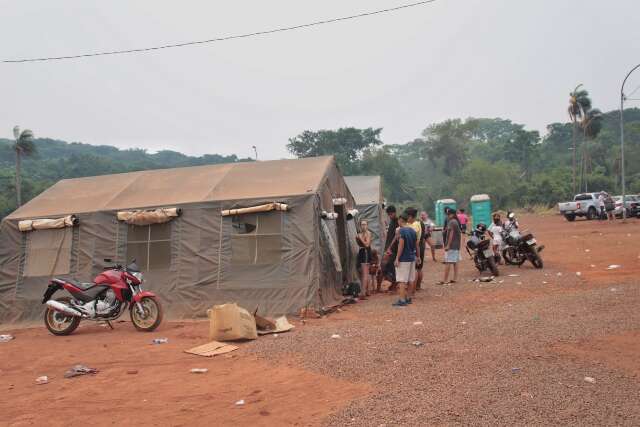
[
  {"x": 510, "y": 256},
  {"x": 152, "y": 314},
  {"x": 59, "y": 323}
]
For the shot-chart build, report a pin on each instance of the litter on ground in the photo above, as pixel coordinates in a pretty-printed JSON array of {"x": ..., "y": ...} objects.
[
  {"x": 240, "y": 402},
  {"x": 160, "y": 340},
  {"x": 613, "y": 266},
  {"x": 514, "y": 275},
  {"x": 6, "y": 338},
  {"x": 78, "y": 370},
  {"x": 578, "y": 273},
  {"x": 417, "y": 323},
  {"x": 199, "y": 370},
  {"x": 42, "y": 380},
  {"x": 335, "y": 336},
  {"x": 417, "y": 343},
  {"x": 590, "y": 380}
]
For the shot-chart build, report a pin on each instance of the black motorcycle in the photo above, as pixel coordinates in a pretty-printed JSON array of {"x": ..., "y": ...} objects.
[
  {"x": 479, "y": 248},
  {"x": 520, "y": 248}
]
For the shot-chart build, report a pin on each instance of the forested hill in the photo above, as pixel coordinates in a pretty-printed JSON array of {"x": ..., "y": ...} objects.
[{"x": 55, "y": 160}]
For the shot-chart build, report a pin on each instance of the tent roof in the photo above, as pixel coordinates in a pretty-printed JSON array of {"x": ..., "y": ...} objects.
[
  {"x": 366, "y": 190},
  {"x": 166, "y": 187}
]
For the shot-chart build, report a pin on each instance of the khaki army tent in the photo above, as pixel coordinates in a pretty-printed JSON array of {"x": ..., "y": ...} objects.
[
  {"x": 270, "y": 234},
  {"x": 367, "y": 192}
]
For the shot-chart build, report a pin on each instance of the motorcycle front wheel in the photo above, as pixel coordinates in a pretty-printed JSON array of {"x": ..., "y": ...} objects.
[
  {"x": 151, "y": 317},
  {"x": 511, "y": 257},
  {"x": 536, "y": 260},
  {"x": 59, "y": 323}
]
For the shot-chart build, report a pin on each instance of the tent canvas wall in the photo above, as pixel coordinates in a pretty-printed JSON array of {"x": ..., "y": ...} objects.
[
  {"x": 367, "y": 192},
  {"x": 279, "y": 261}
]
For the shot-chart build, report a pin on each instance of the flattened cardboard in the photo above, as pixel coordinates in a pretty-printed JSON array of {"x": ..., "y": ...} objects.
[
  {"x": 281, "y": 325},
  {"x": 214, "y": 348}
]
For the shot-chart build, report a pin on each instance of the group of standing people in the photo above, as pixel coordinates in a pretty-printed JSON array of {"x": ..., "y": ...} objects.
[
  {"x": 607, "y": 206},
  {"x": 402, "y": 263}
]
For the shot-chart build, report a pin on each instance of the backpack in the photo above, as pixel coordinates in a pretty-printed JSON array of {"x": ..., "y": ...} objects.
[{"x": 351, "y": 289}]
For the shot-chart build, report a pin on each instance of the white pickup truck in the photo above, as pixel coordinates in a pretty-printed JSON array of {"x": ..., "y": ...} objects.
[{"x": 585, "y": 204}]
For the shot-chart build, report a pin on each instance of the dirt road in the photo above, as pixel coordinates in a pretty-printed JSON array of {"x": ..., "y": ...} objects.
[{"x": 515, "y": 352}]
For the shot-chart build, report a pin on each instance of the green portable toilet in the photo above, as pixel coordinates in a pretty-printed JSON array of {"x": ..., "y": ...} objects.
[
  {"x": 481, "y": 209},
  {"x": 440, "y": 205}
]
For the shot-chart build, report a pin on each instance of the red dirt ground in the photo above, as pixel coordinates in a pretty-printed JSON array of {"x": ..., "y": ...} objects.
[{"x": 292, "y": 385}]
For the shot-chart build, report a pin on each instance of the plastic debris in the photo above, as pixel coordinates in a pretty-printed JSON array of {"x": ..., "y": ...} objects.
[
  {"x": 6, "y": 338},
  {"x": 501, "y": 281},
  {"x": 590, "y": 380},
  {"x": 240, "y": 402},
  {"x": 515, "y": 370},
  {"x": 78, "y": 370},
  {"x": 160, "y": 340},
  {"x": 42, "y": 380},
  {"x": 613, "y": 266},
  {"x": 544, "y": 282},
  {"x": 578, "y": 273},
  {"x": 514, "y": 275},
  {"x": 417, "y": 323},
  {"x": 335, "y": 336},
  {"x": 417, "y": 343},
  {"x": 199, "y": 370},
  {"x": 487, "y": 279}
]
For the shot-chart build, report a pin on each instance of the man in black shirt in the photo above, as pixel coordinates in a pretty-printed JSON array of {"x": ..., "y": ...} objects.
[{"x": 390, "y": 248}]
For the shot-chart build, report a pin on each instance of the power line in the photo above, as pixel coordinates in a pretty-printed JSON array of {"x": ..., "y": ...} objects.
[{"x": 219, "y": 39}]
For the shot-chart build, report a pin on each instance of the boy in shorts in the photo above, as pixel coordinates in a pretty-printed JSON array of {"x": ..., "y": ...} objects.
[{"x": 406, "y": 259}]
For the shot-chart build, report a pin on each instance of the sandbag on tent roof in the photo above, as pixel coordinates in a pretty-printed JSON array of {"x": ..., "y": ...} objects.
[
  {"x": 222, "y": 245},
  {"x": 367, "y": 192}
]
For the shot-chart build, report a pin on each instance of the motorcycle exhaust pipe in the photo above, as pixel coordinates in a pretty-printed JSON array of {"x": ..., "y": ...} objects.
[{"x": 62, "y": 308}]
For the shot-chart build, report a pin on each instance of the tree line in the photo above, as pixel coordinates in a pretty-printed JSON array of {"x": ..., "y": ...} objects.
[{"x": 455, "y": 158}]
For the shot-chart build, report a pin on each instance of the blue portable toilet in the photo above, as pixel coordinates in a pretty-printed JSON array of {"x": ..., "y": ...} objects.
[
  {"x": 440, "y": 205},
  {"x": 480, "y": 209}
]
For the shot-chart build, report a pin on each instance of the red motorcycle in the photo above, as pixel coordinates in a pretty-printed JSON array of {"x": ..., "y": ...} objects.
[{"x": 102, "y": 301}]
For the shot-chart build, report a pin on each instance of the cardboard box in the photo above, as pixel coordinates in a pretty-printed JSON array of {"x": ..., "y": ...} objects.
[{"x": 229, "y": 322}]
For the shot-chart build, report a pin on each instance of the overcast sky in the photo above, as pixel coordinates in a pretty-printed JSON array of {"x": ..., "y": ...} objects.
[{"x": 401, "y": 71}]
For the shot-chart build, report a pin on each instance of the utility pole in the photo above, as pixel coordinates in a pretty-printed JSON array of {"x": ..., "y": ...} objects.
[
  {"x": 622, "y": 99},
  {"x": 255, "y": 150}
]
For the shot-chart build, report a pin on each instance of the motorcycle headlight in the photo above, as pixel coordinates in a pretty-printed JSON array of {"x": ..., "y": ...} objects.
[{"x": 138, "y": 276}]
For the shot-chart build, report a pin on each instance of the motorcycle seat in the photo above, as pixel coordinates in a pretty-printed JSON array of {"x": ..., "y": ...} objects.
[{"x": 81, "y": 285}]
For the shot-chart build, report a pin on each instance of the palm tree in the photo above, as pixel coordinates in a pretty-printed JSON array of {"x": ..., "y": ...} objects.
[
  {"x": 579, "y": 103},
  {"x": 23, "y": 147},
  {"x": 591, "y": 124}
]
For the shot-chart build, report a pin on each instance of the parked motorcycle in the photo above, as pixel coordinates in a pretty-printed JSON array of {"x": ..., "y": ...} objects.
[
  {"x": 479, "y": 248},
  {"x": 103, "y": 300},
  {"x": 519, "y": 248}
]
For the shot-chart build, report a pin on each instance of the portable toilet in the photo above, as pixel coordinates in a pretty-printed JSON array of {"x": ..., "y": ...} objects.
[
  {"x": 440, "y": 205},
  {"x": 481, "y": 209}
]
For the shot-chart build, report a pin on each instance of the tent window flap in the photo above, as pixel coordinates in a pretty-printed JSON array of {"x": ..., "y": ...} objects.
[
  {"x": 150, "y": 246},
  {"x": 256, "y": 238},
  {"x": 148, "y": 217},
  {"x": 49, "y": 252}
]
